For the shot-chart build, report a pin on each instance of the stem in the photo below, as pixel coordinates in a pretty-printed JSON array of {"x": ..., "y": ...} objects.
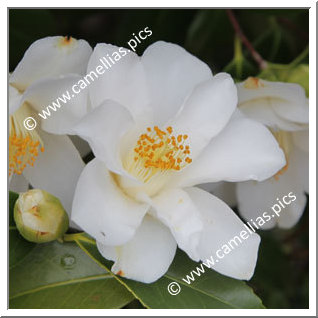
[
  {"x": 238, "y": 57},
  {"x": 300, "y": 57},
  {"x": 293, "y": 27},
  {"x": 77, "y": 237},
  {"x": 255, "y": 55}
]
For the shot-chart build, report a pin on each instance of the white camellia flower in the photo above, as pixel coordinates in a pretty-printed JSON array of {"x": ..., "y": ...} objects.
[
  {"x": 160, "y": 124},
  {"x": 283, "y": 107},
  {"x": 37, "y": 81}
]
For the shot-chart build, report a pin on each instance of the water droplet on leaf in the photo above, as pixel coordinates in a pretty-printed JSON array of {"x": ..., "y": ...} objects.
[{"x": 68, "y": 261}]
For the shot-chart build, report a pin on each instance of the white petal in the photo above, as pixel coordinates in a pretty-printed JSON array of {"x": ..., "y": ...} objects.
[
  {"x": 255, "y": 198},
  {"x": 14, "y": 99},
  {"x": 55, "y": 97},
  {"x": 172, "y": 73},
  {"x": 295, "y": 111},
  {"x": 226, "y": 191},
  {"x": 103, "y": 129},
  {"x": 123, "y": 82},
  {"x": 57, "y": 169},
  {"x": 102, "y": 210},
  {"x": 268, "y": 89},
  {"x": 264, "y": 113},
  {"x": 209, "y": 187},
  {"x": 176, "y": 210},
  {"x": 244, "y": 150},
  {"x": 147, "y": 256},
  {"x": 286, "y": 101},
  {"x": 81, "y": 145},
  {"x": 206, "y": 112},
  {"x": 221, "y": 225},
  {"x": 301, "y": 139},
  {"x": 292, "y": 214},
  {"x": 50, "y": 57},
  {"x": 301, "y": 170},
  {"x": 18, "y": 183}
]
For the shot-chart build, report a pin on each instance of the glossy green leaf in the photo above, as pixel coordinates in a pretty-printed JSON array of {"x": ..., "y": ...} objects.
[
  {"x": 212, "y": 290},
  {"x": 56, "y": 275}
]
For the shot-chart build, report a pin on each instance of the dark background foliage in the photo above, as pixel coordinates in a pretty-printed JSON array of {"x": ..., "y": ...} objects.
[{"x": 279, "y": 35}]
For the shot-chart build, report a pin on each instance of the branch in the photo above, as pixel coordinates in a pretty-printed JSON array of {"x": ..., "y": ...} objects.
[{"x": 255, "y": 55}]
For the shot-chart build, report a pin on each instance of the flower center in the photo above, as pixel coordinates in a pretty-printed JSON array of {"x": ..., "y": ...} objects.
[
  {"x": 155, "y": 156},
  {"x": 23, "y": 144},
  {"x": 159, "y": 151},
  {"x": 284, "y": 140}
]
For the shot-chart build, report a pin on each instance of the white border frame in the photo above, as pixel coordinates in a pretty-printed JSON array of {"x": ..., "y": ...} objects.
[{"x": 312, "y": 181}]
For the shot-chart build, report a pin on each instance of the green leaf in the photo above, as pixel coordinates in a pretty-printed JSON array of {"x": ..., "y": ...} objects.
[
  {"x": 18, "y": 246},
  {"x": 212, "y": 290},
  {"x": 56, "y": 275}
]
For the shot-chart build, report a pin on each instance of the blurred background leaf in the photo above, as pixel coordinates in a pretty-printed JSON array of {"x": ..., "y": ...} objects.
[{"x": 281, "y": 276}]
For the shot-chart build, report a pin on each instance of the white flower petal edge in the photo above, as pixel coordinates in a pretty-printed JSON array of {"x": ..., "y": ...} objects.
[
  {"x": 103, "y": 128},
  {"x": 206, "y": 111},
  {"x": 14, "y": 99},
  {"x": 225, "y": 191},
  {"x": 171, "y": 75},
  {"x": 263, "y": 113},
  {"x": 286, "y": 101},
  {"x": 56, "y": 55},
  {"x": 244, "y": 150},
  {"x": 254, "y": 198},
  {"x": 124, "y": 82},
  {"x": 147, "y": 256},
  {"x": 81, "y": 145},
  {"x": 101, "y": 209},
  {"x": 301, "y": 139},
  {"x": 57, "y": 169},
  {"x": 18, "y": 183},
  {"x": 176, "y": 210},
  {"x": 302, "y": 173},
  {"x": 284, "y": 108},
  {"x": 221, "y": 225},
  {"x": 44, "y": 93}
]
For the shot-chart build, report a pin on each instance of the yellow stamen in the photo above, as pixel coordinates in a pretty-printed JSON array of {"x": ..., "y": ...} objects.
[
  {"x": 158, "y": 151},
  {"x": 24, "y": 145}
]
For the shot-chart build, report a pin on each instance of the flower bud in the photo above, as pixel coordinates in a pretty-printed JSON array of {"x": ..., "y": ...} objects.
[{"x": 40, "y": 216}]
